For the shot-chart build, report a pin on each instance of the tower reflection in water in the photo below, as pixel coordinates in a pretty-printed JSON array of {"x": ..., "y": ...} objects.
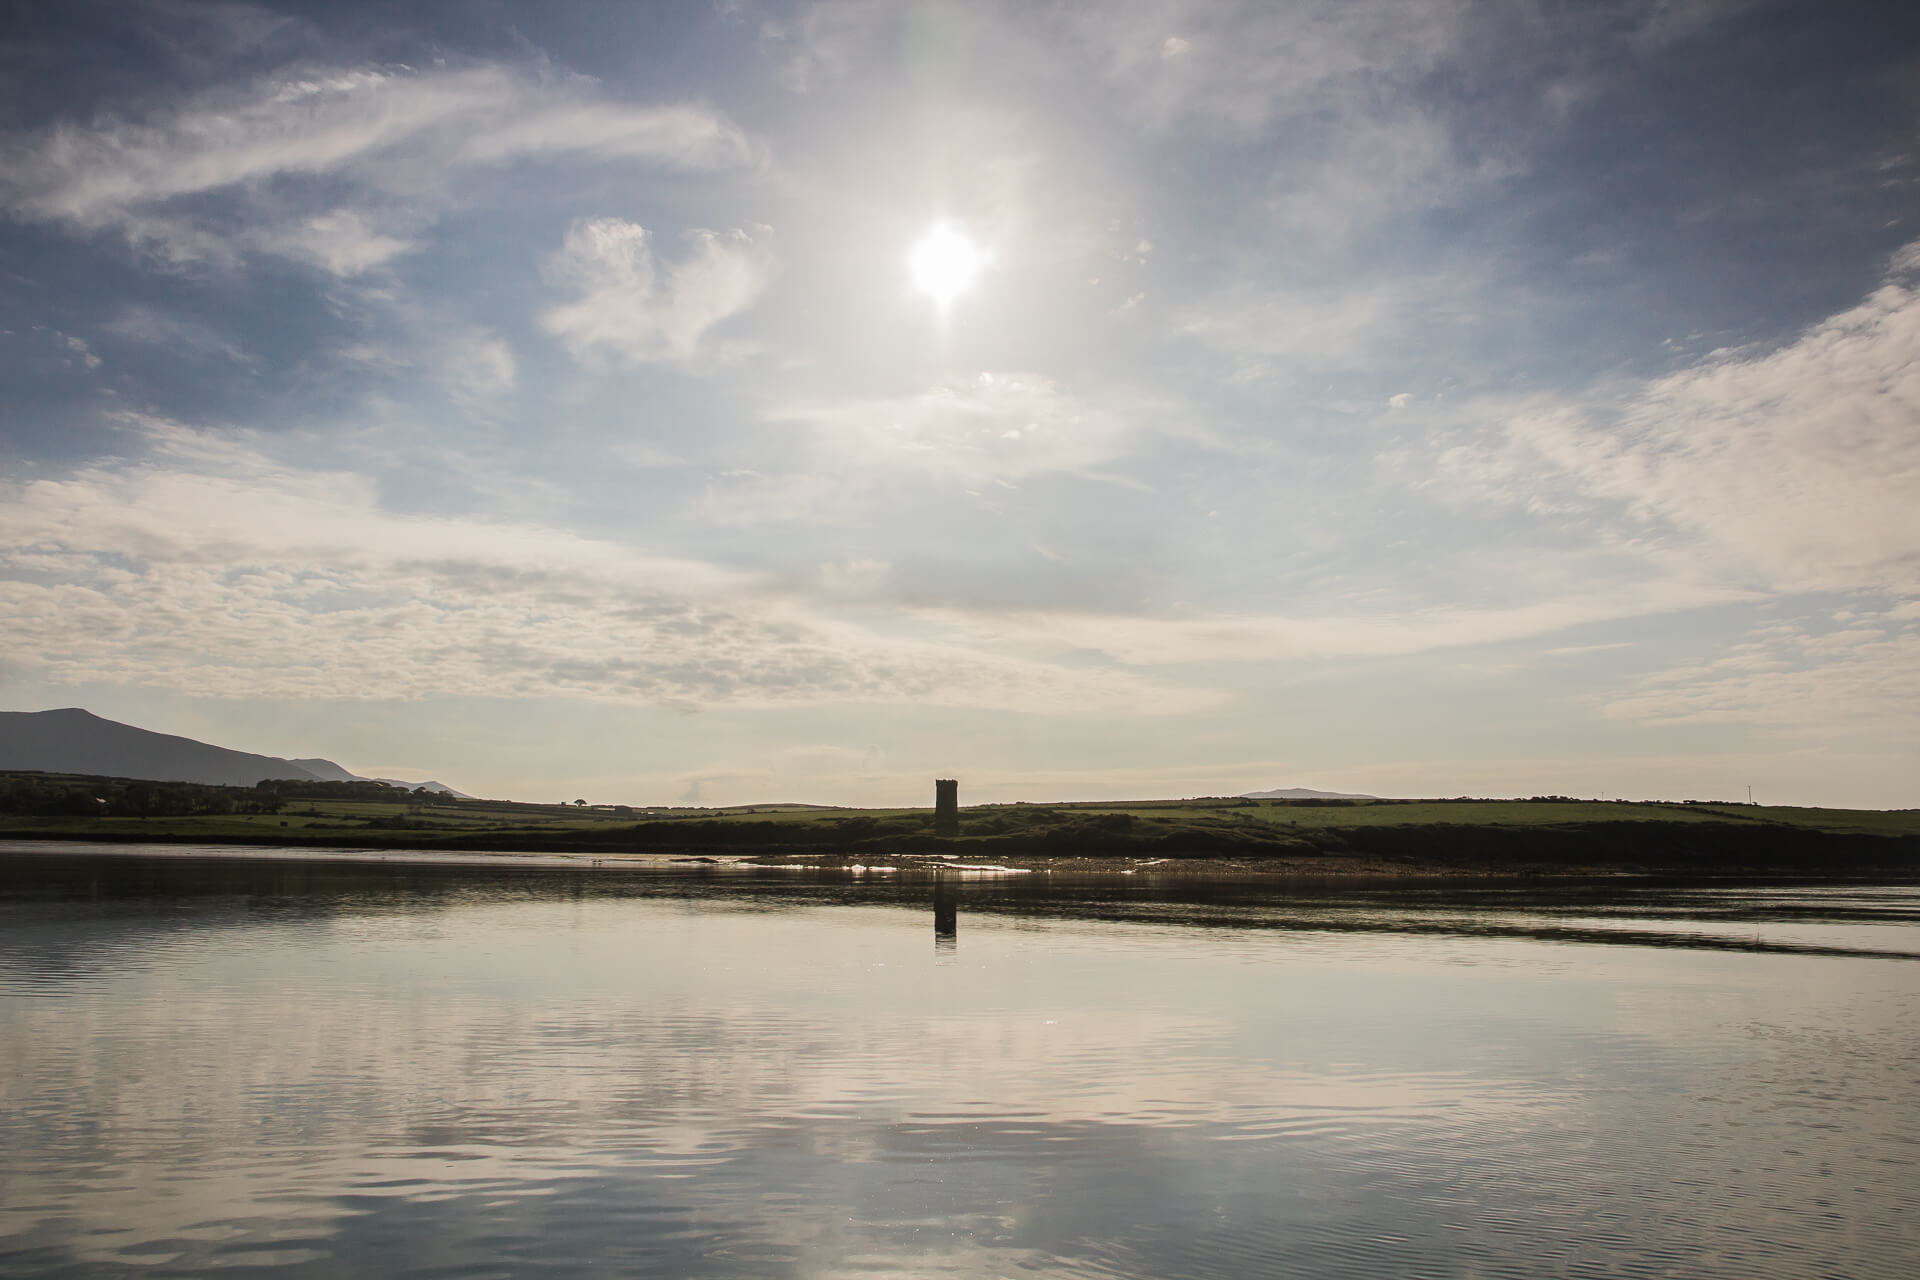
[{"x": 946, "y": 918}]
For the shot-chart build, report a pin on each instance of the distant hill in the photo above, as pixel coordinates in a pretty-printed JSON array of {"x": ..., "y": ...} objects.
[
  {"x": 1304, "y": 793},
  {"x": 440, "y": 787},
  {"x": 326, "y": 770},
  {"x": 71, "y": 740}
]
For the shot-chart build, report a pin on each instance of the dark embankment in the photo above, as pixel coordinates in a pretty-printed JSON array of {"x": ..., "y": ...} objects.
[{"x": 1546, "y": 835}]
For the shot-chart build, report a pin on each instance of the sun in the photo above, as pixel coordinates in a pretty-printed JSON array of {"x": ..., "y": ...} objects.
[{"x": 945, "y": 262}]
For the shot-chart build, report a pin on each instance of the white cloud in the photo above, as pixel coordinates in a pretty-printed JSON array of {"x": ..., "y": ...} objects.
[
  {"x": 626, "y": 311},
  {"x": 1798, "y": 466},
  {"x": 179, "y": 333},
  {"x": 1137, "y": 640},
  {"x": 79, "y": 349},
  {"x": 210, "y": 570},
  {"x": 992, "y": 426},
  {"x": 980, "y": 435},
  {"x": 1859, "y": 679},
  {"x": 342, "y": 243},
  {"x": 691, "y": 137},
  {"x": 478, "y": 369},
  {"x": 391, "y": 131}
]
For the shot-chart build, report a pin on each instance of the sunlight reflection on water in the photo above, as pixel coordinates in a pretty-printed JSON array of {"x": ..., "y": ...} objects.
[{"x": 320, "y": 1069}]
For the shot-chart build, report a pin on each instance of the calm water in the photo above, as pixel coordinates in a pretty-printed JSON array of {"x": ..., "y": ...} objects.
[{"x": 287, "y": 1066}]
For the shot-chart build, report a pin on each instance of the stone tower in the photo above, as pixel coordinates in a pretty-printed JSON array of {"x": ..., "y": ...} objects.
[{"x": 946, "y": 806}]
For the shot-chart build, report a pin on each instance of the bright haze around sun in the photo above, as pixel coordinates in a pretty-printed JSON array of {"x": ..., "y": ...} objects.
[
  {"x": 945, "y": 262},
  {"x": 769, "y": 401}
]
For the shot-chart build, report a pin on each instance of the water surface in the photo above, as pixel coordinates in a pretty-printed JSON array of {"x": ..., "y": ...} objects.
[{"x": 277, "y": 1064}]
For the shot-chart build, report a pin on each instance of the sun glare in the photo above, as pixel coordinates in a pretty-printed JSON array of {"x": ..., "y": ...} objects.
[{"x": 944, "y": 263}]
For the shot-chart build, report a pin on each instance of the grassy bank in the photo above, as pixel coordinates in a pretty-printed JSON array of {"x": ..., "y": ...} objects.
[{"x": 1541, "y": 835}]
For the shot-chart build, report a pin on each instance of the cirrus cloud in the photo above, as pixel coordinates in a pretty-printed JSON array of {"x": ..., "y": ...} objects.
[
  {"x": 210, "y": 570},
  {"x": 382, "y": 134},
  {"x": 1795, "y": 466}
]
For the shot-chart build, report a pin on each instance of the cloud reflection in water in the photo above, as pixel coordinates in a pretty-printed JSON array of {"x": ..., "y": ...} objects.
[{"x": 410, "y": 1071}]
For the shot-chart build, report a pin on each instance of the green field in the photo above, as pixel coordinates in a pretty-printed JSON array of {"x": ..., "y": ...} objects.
[
  {"x": 1537, "y": 833},
  {"x": 1525, "y": 813}
]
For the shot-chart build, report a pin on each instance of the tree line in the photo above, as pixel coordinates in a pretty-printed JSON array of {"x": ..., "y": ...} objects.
[{"x": 50, "y": 795}]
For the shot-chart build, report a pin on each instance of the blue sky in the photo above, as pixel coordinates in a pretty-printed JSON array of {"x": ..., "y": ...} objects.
[{"x": 1414, "y": 398}]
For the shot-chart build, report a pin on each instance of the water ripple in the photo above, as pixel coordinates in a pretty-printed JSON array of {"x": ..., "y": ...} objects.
[{"x": 525, "y": 1077}]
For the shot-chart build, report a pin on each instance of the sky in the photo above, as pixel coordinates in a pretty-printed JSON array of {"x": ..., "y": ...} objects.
[{"x": 1420, "y": 399}]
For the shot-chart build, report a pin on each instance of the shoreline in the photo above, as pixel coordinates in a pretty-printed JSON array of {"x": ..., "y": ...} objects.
[{"x": 974, "y": 864}]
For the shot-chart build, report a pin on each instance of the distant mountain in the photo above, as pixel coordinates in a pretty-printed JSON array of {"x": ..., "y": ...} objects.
[
  {"x": 1304, "y": 793},
  {"x": 327, "y": 770},
  {"x": 440, "y": 787},
  {"x": 71, "y": 740},
  {"x": 74, "y": 741}
]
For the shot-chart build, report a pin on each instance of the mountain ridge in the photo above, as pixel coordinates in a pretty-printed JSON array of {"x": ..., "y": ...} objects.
[{"x": 75, "y": 740}]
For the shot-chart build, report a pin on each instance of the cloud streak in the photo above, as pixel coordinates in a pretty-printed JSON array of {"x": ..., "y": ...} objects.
[
  {"x": 1858, "y": 678},
  {"x": 209, "y": 570},
  {"x": 1797, "y": 467},
  {"x": 1279, "y": 639},
  {"x": 994, "y": 425},
  {"x": 388, "y": 130}
]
